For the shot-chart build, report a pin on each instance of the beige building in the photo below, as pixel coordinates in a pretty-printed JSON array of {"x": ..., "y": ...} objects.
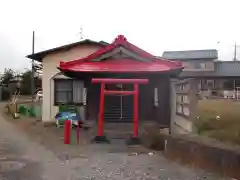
[{"x": 53, "y": 83}]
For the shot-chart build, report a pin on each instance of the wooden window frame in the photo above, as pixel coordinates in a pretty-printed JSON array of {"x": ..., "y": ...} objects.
[
  {"x": 182, "y": 104},
  {"x": 69, "y": 103}
]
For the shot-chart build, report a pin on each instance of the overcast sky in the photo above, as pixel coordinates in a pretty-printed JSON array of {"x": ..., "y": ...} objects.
[{"x": 154, "y": 25}]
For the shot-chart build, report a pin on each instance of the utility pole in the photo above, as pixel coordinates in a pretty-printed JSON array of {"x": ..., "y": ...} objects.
[
  {"x": 235, "y": 52},
  {"x": 235, "y": 59},
  {"x": 33, "y": 71}
]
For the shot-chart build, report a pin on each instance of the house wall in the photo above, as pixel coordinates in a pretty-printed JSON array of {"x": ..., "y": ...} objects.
[
  {"x": 220, "y": 86},
  {"x": 198, "y": 65},
  {"x": 162, "y": 111},
  {"x": 50, "y": 63}
]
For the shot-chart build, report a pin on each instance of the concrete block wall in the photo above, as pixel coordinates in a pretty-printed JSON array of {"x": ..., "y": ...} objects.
[{"x": 204, "y": 153}]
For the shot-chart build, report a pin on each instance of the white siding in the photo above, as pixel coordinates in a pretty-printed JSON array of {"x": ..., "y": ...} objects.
[{"x": 50, "y": 63}]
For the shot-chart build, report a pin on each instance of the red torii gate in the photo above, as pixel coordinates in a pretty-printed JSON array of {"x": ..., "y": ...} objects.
[{"x": 100, "y": 137}]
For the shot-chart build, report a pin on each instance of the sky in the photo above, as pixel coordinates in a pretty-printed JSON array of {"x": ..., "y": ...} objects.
[{"x": 154, "y": 25}]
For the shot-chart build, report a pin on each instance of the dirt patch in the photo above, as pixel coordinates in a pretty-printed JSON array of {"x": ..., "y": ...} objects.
[
  {"x": 51, "y": 137},
  {"x": 8, "y": 165},
  {"x": 47, "y": 135}
]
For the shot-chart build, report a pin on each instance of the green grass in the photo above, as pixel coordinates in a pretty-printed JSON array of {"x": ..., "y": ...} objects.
[{"x": 227, "y": 128}]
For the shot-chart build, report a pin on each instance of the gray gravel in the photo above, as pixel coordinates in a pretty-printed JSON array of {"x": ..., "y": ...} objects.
[{"x": 96, "y": 162}]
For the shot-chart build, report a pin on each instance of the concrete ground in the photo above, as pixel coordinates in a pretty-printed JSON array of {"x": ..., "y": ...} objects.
[{"x": 35, "y": 152}]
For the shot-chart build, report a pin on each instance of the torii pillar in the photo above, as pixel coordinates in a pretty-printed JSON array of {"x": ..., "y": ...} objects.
[{"x": 101, "y": 138}]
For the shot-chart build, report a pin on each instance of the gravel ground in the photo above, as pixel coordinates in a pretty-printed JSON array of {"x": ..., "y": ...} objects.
[{"x": 22, "y": 158}]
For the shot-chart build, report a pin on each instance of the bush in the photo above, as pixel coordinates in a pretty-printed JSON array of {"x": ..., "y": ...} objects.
[{"x": 203, "y": 126}]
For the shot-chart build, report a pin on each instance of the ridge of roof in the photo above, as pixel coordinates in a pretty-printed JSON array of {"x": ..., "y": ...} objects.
[
  {"x": 39, "y": 55},
  {"x": 120, "y": 40}
]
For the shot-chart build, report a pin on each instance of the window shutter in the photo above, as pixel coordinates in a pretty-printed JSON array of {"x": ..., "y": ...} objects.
[
  {"x": 63, "y": 89},
  {"x": 78, "y": 91}
]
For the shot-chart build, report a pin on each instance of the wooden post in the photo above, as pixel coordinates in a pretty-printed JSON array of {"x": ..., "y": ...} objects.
[
  {"x": 193, "y": 104},
  {"x": 173, "y": 100},
  {"x": 101, "y": 111},
  {"x": 78, "y": 131},
  {"x": 67, "y": 131},
  {"x": 136, "y": 89},
  {"x": 100, "y": 138}
]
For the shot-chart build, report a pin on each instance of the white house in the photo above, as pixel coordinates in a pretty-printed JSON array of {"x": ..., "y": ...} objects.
[{"x": 55, "y": 86}]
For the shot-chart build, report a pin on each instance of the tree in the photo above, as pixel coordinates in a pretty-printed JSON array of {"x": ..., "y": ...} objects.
[
  {"x": 26, "y": 82},
  {"x": 8, "y": 76}
]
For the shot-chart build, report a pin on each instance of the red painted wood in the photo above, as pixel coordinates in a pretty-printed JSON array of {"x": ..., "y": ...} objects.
[
  {"x": 101, "y": 111},
  {"x": 135, "y": 117},
  {"x": 118, "y": 92},
  {"x": 67, "y": 131},
  {"x": 120, "y": 65},
  {"x": 119, "y": 81},
  {"x": 113, "y": 92}
]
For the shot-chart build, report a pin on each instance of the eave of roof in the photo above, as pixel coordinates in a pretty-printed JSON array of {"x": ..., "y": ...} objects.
[
  {"x": 122, "y": 66},
  {"x": 40, "y": 55}
]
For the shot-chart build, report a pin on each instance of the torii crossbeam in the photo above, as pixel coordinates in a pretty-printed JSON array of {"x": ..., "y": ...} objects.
[{"x": 100, "y": 138}]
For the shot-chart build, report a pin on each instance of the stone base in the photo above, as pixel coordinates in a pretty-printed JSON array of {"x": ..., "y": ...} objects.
[
  {"x": 133, "y": 141},
  {"x": 101, "y": 139}
]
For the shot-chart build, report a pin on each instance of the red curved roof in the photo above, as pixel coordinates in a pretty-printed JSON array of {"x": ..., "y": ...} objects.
[{"x": 122, "y": 64}]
